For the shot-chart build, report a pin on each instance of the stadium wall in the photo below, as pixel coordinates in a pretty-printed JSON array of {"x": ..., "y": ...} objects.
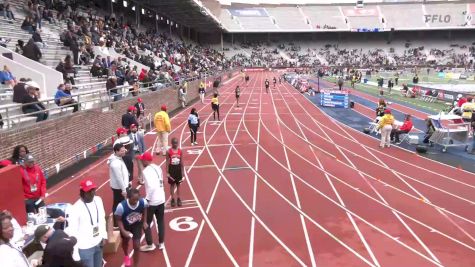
[{"x": 63, "y": 140}]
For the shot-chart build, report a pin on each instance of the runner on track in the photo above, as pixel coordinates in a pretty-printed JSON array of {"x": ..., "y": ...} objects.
[
  {"x": 175, "y": 171},
  {"x": 247, "y": 78},
  {"x": 275, "y": 81},
  {"x": 193, "y": 124},
  {"x": 202, "y": 92},
  {"x": 267, "y": 85},
  {"x": 238, "y": 94},
  {"x": 215, "y": 106}
]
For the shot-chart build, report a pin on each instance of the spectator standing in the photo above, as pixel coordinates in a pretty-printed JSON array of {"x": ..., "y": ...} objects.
[
  {"x": 130, "y": 215},
  {"x": 34, "y": 184},
  {"x": 129, "y": 118},
  {"x": 155, "y": 196},
  {"x": 87, "y": 222},
  {"x": 472, "y": 123},
  {"x": 193, "y": 124},
  {"x": 31, "y": 103},
  {"x": 163, "y": 127},
  {"x": 175, "y": 171},
  {"x": 405, "y": 128},
  {"x": 118, "y": 175},
  {"x": 63, "y": 97},
  {"x": 386, "y": 125},
  {"x": 19, "y": 154},
  {"x": 140, "y": 107},
  {"x": 429, "y": 131},
  {"x": 11, "y": 255},
  {"x": 138, "y": 148}
]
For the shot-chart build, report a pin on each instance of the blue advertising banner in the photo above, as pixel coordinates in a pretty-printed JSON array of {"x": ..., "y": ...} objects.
[{"x": 248, "y": 12}]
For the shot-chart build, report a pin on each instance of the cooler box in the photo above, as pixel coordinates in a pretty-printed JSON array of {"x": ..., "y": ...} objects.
[{"x": 413, "y": 139}]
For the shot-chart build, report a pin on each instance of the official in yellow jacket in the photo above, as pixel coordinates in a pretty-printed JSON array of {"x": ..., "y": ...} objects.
[
  {"x": 386, "y": 125},
  {"x": 163, "y": 127}
]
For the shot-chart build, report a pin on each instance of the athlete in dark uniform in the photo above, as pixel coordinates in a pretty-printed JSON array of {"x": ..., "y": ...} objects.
[
  {"x": 238, "y": 94},
  {"x": 175, "y": 171},
  {"x": 267, "y": 85},
  {"x": 275, "y": 81}
]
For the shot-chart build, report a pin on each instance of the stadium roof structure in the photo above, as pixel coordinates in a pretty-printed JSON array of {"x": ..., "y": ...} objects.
[{"x": 189, "y": 13}]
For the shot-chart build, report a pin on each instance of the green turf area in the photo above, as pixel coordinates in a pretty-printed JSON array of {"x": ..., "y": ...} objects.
[
  {"x": 423, "y": 78},
  {"x": 395, "y": 96}
]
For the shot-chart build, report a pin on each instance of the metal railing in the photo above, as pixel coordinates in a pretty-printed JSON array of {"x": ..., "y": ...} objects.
[{"x": 13, "y": 115}]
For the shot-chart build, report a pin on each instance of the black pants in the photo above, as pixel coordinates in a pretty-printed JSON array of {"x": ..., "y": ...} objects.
[
  {"x": 395, "y": 134},
  {"x": 117, "y": 197},
  {"x": 31, "y": 207},
  {"x": 159, "y": 212},
  {"x": 215, "y": 110},
  {"x": 340, "y": 86},
  {"x": 129, "y": 163},
  {"x": 40, "y": 116},
  {"x": 193, "y": 130}
]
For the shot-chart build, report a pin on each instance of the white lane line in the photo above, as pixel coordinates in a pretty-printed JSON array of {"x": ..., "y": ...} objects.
[
  {"x": 203, "y": 211},
  {"x": 296, "y": 194},
  {"x": 370, "y": 185}
]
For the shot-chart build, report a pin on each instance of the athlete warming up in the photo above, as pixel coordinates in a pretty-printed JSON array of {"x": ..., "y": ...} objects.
[{"x": 175, "y": 171}]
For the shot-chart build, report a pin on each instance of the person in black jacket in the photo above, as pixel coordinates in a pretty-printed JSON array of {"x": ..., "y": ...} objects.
[
  {"x": 19, "y": 91},
  {"x": 31, "y": 51},
  {"x": 129, "y": 118},
  {"x": 58, "y": 251},
  {"x": 140, "y": 107},
  {"x": 32, "y": 104}
]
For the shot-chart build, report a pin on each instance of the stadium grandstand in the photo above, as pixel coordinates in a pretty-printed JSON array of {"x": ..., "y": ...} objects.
[{"x": 237, "y": 133}]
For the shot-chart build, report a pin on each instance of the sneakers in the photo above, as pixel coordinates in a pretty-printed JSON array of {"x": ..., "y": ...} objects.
[
  {"x": 172, "y": 203},
  {"x": 161, "y": 246},
  {"x": 178, "y": 202},
  {"x": 192, "y": 144},
  {"x": 127, "y": 261},
  {"x": 195, "y": 143},
  {"x": 146, "y": 248}
]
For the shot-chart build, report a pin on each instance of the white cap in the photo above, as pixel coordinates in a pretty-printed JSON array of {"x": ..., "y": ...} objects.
[
  {"x": 125, "y": 140},
  {"x": 459, "y": 96},
  {"x": 32, "y": 84}
]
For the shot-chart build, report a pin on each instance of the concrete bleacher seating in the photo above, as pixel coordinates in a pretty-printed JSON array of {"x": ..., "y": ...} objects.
[
  {"x": 256, "y": 23},
  {"x": 325, "y": 15},
  {"x": 228, "y": 21},
  {"x": 403, "y": 16},
  {"x": 443, "y": 11},
  {"x": 288, "y": 18},
  {"x": 365, "y": 22}
]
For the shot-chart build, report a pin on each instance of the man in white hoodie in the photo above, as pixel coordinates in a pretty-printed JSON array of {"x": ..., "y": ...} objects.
[{"x": 119, "y": 175}]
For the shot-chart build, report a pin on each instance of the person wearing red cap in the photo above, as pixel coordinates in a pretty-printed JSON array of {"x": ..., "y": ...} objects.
[
  {"x": 155, "y": 196},
  {"x": 121, "y": 131},
  {"x": 87, "y": 222},
  {"x": 129, "y": 118},
  {"x": 386, "y": 126},
  {"x": 163, "y": 127},
  {"x": 140, "y": 107}
]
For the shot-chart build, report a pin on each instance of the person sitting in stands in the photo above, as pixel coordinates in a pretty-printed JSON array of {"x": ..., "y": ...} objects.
[
  {"x": 27, "y": 25},
  {"x": 34, "y": 106},
  {"x": 405, "y": 128},
  {"x": 97, "y": 69},
  {"x": 19, "y": 90},
  {"x": 63, "y": 97},
  {"x": 7, "y": 11},
  {"x": 38, "y": 40},
  {"x": 429, "y": 131},
  {"x": 7, "y": 78},
  {"x": 31, "y": 51}
]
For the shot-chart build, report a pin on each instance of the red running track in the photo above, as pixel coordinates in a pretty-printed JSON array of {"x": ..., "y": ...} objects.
[{"x": 279, "y": 183}]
